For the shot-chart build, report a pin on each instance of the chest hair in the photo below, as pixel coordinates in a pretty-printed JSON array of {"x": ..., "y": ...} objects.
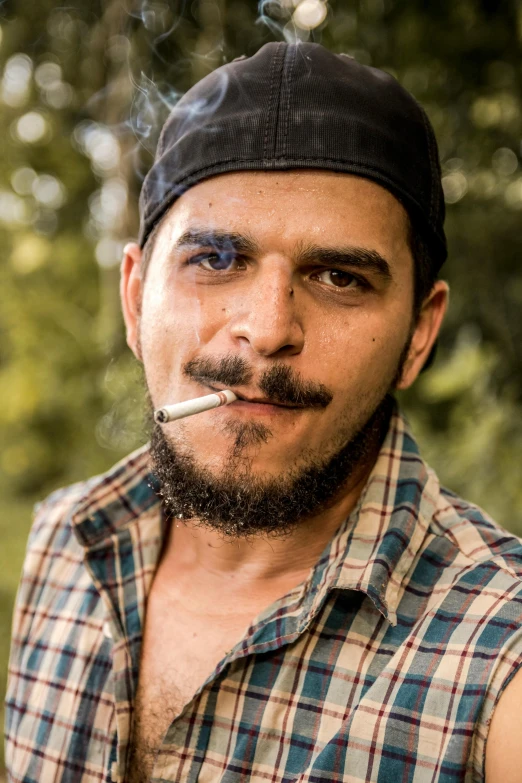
[{"x": 155, "y": 709}]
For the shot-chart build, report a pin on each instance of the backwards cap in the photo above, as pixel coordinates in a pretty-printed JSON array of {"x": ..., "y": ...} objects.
[{"x": 299, "y": 106}]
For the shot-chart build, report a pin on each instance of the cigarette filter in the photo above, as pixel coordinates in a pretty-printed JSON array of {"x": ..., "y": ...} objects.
[{"x": 188, "y": 408}]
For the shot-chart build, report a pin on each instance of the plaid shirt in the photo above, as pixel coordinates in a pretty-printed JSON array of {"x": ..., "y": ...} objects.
[{"x": 385, "y": 665}]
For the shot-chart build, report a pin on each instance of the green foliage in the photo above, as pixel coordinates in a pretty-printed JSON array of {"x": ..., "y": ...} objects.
[
  {"x": 84, "y": 92},
  {"x": 14, "y": 515},
  {"x": 85, "y": 88}
]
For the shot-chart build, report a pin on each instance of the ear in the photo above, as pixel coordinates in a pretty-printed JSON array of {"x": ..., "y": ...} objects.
[
  {"x": 131, "y": 292},
  {"x": 426, "y": 332}
]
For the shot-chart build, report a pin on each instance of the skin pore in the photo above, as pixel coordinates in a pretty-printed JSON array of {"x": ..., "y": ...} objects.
[{"x": 304, "y": 280}]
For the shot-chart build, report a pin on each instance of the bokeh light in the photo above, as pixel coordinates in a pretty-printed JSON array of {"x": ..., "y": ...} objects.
[
  {"x": 504, "y": 161},
  {"x": 31, "y": 128},
  {"x": 22, "y": 180},
  {"x": 13, "y": 209},
  {"x": 48, "y": 190},
  {"x": 16, "y": 80},
  {"x": 109, "y": 252},
  {"x": 455, "y": 186},
  {"x": 99, "y": 144},
  {"x": 309, "y": 14},
  {"x": 513, "y": 194}
]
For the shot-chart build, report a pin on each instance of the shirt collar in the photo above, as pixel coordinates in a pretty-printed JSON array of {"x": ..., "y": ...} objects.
[
  {"x": 116, "y": 499},
  {"x": 375, "y": 547}
]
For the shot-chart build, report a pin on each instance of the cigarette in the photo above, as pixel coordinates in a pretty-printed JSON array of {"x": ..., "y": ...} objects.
[{"x": 188, "y": 408}]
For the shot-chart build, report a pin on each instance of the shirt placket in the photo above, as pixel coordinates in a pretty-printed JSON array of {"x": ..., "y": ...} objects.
[{"x": 181, "y": 755}]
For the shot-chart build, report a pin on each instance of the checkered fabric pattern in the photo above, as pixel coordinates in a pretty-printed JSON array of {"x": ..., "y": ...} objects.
[{"x": 384, "y": 666}]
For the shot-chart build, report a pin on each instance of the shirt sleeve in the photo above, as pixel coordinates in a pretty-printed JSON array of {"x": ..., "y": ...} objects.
[{"x": 49, "y": 534}]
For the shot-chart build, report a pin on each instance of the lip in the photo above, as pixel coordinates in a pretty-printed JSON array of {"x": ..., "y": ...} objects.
[{"x": 256, "y": 401}]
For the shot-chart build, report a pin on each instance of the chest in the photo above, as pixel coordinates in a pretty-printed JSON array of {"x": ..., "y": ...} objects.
[
  {"x": 180, "y": 651},
  {"x": 348, "y": 697}
]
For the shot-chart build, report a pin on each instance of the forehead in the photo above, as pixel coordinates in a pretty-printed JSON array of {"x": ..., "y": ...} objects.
[{"x": 293, "y": 206}]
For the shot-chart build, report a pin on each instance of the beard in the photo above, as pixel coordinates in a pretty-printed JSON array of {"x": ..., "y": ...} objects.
[{"x": 237, "y": 502}]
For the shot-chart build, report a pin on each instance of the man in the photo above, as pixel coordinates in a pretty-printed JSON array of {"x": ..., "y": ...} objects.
[{"x": 276, "y": 590}]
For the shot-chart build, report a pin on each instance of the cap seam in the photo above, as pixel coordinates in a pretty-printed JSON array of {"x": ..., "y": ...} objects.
[
  {"x": 273, "y": 103},
  {"x": 270, "y": 100},
  {"x": 291, "y": 56}
]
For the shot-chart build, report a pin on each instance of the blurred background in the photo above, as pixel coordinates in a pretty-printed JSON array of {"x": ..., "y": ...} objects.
[{"x": 84, "y": 89}]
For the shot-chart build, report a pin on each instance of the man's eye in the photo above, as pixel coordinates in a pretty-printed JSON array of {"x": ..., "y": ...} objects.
[
  {"x": 216, "y": 262},
  {"x": 337, "y": 278}
]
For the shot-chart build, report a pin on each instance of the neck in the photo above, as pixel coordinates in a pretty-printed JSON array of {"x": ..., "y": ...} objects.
[{"x": 258, "y": 559}]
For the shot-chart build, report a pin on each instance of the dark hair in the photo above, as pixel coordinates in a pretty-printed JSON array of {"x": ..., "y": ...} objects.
[
  {"x": 424, "y": 276},
  {"x": 148, "y": 247},
  {"x": 424, "y": 268}
]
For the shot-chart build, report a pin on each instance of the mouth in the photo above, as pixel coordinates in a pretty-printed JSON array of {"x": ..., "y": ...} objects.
[{"x": 251, "y": 400}]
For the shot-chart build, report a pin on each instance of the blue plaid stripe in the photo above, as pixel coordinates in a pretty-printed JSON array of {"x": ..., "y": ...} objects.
[{"x": 385, "y": 666}]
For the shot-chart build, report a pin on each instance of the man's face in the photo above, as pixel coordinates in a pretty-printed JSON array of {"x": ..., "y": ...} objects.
[{"x": 293, "y": 288}]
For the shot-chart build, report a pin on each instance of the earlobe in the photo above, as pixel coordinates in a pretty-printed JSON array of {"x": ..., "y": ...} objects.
[
  {"x": 425, "y": 334},
  {"x": 131, "y": 292}
]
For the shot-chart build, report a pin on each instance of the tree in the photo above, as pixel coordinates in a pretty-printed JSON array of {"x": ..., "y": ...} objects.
[{"x": 85, "y": 89}]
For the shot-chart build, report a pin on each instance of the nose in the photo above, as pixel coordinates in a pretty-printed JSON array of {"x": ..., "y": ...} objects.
[{"x": 268, "y": 318}]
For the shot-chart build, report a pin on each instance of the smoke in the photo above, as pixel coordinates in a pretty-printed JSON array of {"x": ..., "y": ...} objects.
[
  {"x": 276, "y": 15},
  {"x": 151, "y": 105},
  {"x": 153, "y": 100},
  {"x": 146, "y": 40},
  {"x": 159, "y": 19},
  {"x": 132, "y": 63}
]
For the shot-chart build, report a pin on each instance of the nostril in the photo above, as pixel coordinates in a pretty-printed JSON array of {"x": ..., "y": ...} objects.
[{"x": 287, "y": 347}]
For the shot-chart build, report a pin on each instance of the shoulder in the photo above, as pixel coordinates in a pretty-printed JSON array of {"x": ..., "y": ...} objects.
[
  {"x": 57, "y": 519},
  {"x": 474, "y": 569},
  {"x": 52, "y": 531},
  {"x": 483, "y": 567},
  {"x": 52, "y": 527},
  {"x": 474, "y": 538},
  {"x": 53, "y": 556},
  {"x": 503, "y": 748},
  {"x": 479, "y": 567},
  {"x": 51, "y": 538},
  {"x": 64, "y": 524}
]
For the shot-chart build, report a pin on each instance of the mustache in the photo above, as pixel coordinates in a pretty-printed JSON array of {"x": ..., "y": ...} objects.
[{"x": 280, "y": 383}]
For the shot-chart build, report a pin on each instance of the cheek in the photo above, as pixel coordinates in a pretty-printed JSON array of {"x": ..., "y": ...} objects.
[
  {"x": 174, "y": 324},
  {"x": 362, "y": 357}
]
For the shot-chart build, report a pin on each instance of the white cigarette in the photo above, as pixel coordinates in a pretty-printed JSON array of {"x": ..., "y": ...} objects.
[{"x": 188, "y": 408}]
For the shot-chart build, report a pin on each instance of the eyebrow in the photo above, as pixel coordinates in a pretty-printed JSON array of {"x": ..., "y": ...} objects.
[
  {"x": 360, "y": 258},
  {"x": 222, "y": 241},
  {"x": 348, "y": 257}
]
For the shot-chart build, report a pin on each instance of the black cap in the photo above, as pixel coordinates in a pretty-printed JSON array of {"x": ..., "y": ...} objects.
[{"x": 293, "y": 106}]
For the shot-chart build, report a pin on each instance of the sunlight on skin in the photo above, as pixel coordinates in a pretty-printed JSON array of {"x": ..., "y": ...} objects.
[
  {"x": 348, "y": 339},
  {"x": 504, "y": 748},
  {"x": 270, "y": 307}
]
